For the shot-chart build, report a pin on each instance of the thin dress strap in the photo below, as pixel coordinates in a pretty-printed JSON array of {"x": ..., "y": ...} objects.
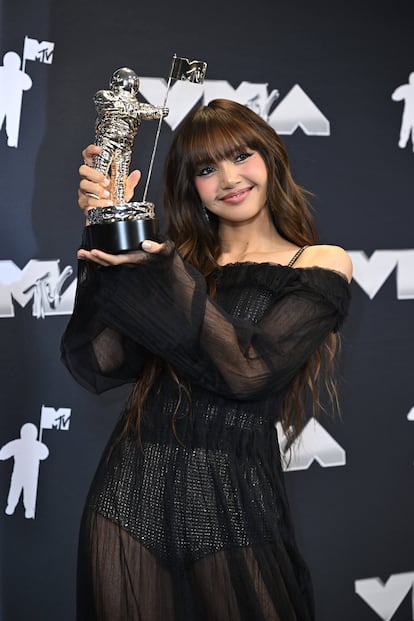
[{"x": 296, "y": 256}]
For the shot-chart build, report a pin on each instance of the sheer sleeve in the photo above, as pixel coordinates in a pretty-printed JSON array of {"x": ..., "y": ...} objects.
[
  {"x": 164, "y": 307},
  {"x": 97, "y": 356}
]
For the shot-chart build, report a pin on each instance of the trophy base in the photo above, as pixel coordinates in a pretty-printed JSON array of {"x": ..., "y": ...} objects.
[{"x": 121, "y": 236}]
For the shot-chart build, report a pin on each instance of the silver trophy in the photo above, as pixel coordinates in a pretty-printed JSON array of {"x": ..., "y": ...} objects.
[{"x": 124, "y": 226}]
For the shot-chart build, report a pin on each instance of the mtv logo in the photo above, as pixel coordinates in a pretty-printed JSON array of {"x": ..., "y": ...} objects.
[
  {"x": 371, "y": 272},
  {"x": 296, "y": 109},
  {"x": 55, "y": 419},
  {"x": 314, "y": 443},
  {"x": 385, "y": 599},
  {"x": 41, "y": 51},
  {"x": 40, "y": 281}
]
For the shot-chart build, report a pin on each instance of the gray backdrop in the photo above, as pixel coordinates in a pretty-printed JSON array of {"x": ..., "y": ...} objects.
[{"x": 352, "y": 489}]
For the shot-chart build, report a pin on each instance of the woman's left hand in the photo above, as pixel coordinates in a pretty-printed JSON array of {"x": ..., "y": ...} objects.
[{"x": 136, "y": 256}]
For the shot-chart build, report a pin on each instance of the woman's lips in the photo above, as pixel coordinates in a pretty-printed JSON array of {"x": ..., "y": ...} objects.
[{"x": 235, "y": 197}]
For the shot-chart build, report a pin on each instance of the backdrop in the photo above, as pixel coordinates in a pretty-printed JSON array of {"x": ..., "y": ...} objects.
[{"x": 336, "y": 80}]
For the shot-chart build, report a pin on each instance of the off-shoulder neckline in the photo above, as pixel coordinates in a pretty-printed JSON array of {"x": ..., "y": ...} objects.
[{"x": 287, "y": 267}]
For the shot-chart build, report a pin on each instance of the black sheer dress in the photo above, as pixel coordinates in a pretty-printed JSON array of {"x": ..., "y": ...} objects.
[{"x": 193, "y": 524}]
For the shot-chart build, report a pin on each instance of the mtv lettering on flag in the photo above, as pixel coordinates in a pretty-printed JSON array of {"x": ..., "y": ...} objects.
[
  {"x": 189, "y": 70},
  {"x": 55, "y": 419},
  {"x": 41, "y": 51}
]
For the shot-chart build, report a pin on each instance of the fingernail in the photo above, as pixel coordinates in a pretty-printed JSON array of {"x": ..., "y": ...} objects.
[
  {"x": 106, "y": 193},
  {"x": 106, "y": 181},
  {"x": 146, "y": 245}
]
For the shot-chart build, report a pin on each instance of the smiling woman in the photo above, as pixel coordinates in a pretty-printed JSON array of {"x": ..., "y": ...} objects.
[
  {"x": 222, "y": 329},
  {"x": 239, "y": 180}
]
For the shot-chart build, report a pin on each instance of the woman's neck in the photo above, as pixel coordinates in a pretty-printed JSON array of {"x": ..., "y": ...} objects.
[{"x": 253, "y": 241}]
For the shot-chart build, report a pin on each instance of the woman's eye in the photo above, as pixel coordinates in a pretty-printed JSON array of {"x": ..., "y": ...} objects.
[
  {"x": 206, "y": 170},
  {"x": 242, "y": 156}
]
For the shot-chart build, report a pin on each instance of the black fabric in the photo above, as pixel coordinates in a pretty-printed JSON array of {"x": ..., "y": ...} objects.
[{"x": 195, "y": 524}]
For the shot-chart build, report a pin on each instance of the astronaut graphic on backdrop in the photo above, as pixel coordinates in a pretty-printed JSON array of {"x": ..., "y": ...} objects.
[
  {"x": 27, "y": 452},
  {"x": 13, "y": 81},
  {"x": 405, "y": 93}
]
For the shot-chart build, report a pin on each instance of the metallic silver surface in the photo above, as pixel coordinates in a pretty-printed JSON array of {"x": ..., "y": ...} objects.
[
  {"x": 189, "y": 70},
  {"x": 119, "y": 213},
  {"x": 119, "y": 115}
]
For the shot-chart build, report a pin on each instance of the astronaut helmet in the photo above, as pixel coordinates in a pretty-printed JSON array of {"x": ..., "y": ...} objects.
[{"x": 125, "y": 79}]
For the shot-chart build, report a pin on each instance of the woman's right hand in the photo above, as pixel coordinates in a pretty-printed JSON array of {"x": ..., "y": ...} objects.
[{"x": 94, "y": 188}]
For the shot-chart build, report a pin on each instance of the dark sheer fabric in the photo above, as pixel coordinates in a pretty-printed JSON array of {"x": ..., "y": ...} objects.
[{"x": 194, "y": 524}]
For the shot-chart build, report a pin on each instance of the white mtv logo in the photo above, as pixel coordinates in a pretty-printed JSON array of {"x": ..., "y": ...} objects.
[
  {"x": 314, "y": 443},
  {"x": 40, "y": 281},
  {"x": 295, "y": 110},
  {"x": 385, "y": 599},
  {"x": 371, "y": 273}
]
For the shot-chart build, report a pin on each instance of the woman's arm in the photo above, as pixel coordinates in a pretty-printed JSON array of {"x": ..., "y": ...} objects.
[{"x": 163, "y": 305}]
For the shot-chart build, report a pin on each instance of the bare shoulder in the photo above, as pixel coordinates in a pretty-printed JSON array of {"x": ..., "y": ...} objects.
[{"x": 329, "y": 257}]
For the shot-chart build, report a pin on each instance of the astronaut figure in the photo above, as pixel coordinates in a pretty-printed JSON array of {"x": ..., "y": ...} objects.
[
  {"x": 27, "y": 452},
  {"x": 119, "y": 116},
  {"x": 405, "y": 93}
]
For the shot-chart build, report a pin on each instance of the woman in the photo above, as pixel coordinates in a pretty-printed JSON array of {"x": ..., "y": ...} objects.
[{"x": 223, "y": 326}]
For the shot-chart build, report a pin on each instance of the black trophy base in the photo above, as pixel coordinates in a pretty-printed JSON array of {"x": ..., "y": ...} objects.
[{"x": 122, "y": 236}]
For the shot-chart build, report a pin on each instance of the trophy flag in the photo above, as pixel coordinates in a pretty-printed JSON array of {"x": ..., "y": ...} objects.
[
  {"x": 181, "y": 69},
  {"x": 189, "y": 70}
]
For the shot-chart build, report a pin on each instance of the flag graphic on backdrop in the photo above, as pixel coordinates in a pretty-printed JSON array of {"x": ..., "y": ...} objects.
[
  {"x": 54, "y": 419},
  {"x": 41, "y": 51}
]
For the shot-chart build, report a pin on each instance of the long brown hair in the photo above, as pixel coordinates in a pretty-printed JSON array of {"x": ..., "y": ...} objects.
[{"x": 208, "y": 134}]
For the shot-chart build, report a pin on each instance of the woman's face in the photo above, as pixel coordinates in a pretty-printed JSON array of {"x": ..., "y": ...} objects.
[{"x": 235, "y": 188}]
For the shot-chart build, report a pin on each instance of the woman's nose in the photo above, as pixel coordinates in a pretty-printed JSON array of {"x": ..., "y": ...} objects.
[{"x": 228, "y": 174}]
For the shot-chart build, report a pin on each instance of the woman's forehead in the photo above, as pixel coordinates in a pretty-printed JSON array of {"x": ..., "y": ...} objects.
[{"x": 215, "y": 150}]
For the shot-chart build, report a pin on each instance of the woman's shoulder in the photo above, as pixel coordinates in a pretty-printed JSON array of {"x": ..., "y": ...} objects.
[{"x": 328, "y": 257}]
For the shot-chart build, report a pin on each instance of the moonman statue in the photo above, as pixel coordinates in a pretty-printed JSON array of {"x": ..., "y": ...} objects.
[{"x": 119, "y": 115}]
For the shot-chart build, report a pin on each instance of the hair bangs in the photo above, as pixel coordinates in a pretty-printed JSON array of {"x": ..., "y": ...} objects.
[{"x": 212, "y": 140}]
